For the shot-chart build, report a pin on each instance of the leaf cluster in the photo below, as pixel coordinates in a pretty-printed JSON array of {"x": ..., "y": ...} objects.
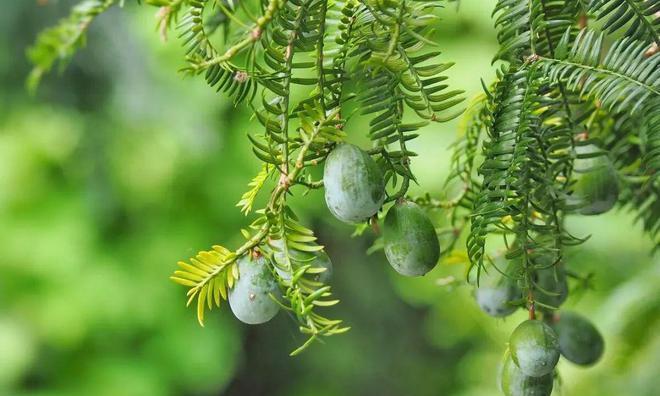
[{"x": 305, "y": 67}]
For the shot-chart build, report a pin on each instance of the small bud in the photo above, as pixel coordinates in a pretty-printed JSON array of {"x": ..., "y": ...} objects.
[
  {"x": 256, "y": 33},
  {"x": 652, "y": 50},
  {"x": 532, "y": 58},
  {"x": 284, "y": 181},
  {"x": 240, "y": 76},
  {"x": 581, "y": 137}
]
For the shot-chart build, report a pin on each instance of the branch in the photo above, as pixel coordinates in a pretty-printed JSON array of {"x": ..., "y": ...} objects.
[{"x": 61, "y": 42}]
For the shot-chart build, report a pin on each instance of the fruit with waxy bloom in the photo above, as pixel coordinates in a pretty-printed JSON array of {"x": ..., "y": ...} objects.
[
  {"x": 596, "y": 188},
  {"x": 321, "y": 266},
  {"x": 250, "y": 299},
  {"x": 514, "y": 382},
  {"x": 410, "y": 241},
  {"x": 579, "y": 340},
  {"x": 354, "y": 184},
  {"x": 534, "y": 348}
]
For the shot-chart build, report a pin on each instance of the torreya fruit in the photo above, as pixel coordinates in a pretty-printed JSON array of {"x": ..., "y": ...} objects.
[
  {"x": 411, "y": 244},
  {"x": 496, "y": 300},
  {"x": 354, "y": 184},
  {"x": 496, "y": 291},
  {"x": 596, "y": 188},
  {"x": 250, "y": 299},
  {"x": 514, "y": 382},
  {"x": 534, "y": 348},
  {"x": 552, "y": 285},
  {"x": 321, "y": 265},
  {"x": 579, "y": 341}
]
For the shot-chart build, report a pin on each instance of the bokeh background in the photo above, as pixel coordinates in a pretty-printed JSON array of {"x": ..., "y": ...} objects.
[{"x": 118, "y": 167}]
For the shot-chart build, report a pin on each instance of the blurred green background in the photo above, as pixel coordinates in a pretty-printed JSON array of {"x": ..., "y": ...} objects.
[{"x": 118, "y": 168}]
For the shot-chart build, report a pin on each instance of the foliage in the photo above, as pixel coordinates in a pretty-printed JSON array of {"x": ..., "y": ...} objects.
[
  {"x": 61, "y": 42},
  {"x": 539, "y": 119},
  {"x": 559, "y": 87},
  {"x": 619, "y": 14}
]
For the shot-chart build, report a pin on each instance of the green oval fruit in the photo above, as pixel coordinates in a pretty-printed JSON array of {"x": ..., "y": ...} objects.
[
  {"x": 354, "y": 184},
  {"x": 411, "y": 244},
  {"x": 496, "y": 291},
  {"x": 496, "y": 300},
  {"x": 515, "y": 383},
  {"x": 534, "y": 348},
  {"x": 322, "y": 260},
  {"x": 596, "y": 188},
  {"x": 552, "y": 286},
  {"x": 579, "y": 341},
  {"x": 317, "y": 260},
  {"x": 249, "y": 298}
]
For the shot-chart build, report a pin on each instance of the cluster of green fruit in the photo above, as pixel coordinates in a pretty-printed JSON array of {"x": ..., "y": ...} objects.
[
  {"x": 354, "y": 192},
  {"x": 535, "y": 348},
  {"x": 536, "y": 344}
]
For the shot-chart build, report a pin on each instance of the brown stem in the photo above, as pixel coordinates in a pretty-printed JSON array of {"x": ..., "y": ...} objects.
[
  {"x": 374, "y": 224},
  {"x": 583, "y": 20}
]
